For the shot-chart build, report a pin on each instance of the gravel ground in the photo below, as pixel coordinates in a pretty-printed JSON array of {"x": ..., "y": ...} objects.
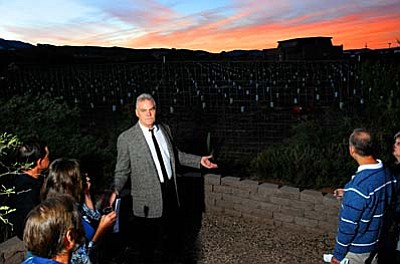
[
  {"x": 222, "y": 239},
  {"x": 227, "y": 239}
]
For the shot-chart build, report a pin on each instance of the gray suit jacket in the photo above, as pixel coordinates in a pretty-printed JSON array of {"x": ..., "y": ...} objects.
[{"x": 135, "y": 160}]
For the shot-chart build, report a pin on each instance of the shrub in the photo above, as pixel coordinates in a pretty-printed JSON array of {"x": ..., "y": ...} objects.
[
  {"x": 61, "y": 127},
  {"x": 316, "y": 154}
]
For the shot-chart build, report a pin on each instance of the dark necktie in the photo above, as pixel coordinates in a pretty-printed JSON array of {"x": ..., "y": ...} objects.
[{"x": 159, "y": 156}]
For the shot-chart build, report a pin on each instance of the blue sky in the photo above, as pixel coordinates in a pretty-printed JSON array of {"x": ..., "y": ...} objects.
[{"x": 208, "y": 25}]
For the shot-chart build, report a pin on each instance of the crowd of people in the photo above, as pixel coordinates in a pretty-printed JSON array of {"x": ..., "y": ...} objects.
[{"x": 59, "y": 222}]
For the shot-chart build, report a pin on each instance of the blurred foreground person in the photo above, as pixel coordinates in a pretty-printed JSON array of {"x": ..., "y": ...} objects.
[
  {"x": 390, "y": 244},
  {"x": 65, "y": 178},
  {"x": 29, "y": 180},
  {"x": 52, "y": 231}
]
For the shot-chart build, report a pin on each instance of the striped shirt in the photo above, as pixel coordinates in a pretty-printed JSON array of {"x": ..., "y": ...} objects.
[{"x": 366, "y": 197}]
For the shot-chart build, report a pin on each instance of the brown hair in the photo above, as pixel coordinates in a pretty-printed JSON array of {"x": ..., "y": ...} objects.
[
  {"x": 48, "y": 223},
  {"x": 64, "y": 178}
]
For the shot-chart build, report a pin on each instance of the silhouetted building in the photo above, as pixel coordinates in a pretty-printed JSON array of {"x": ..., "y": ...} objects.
[{"x": 311, "y": 48}]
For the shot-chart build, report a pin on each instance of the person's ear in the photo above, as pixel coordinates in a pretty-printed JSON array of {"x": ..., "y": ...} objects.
[
  {"x": 69, "y": 241},
  {"x": 39, "y": 163},
  {"x": 352, "y": 150}
]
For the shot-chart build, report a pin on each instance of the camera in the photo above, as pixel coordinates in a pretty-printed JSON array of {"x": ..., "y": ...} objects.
[{"x": 107, "y": 210}]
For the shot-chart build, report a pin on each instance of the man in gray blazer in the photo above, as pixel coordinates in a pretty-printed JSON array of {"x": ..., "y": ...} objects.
[{"x": 147, "y": 154}]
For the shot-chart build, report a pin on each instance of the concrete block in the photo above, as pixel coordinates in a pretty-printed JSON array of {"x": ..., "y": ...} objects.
[
  {"x": 332, "y": 220},
  {"x": 243, "y": 209},
  {"x": 208, "y": 188},
  {"x": 212, "y": 179},
  {"x": 216, "y": 196},
  {"x": 288, "y": 193},
  {"x": 224, "y": 204},
  {"x": 269, "y": 207},
  {"x": 222, "y": 189},
  {"x": 230, "y": 181},
  {"x": 258, "y": 198},
  {"x": 250, "y": 203},
  {"x": 316, "y": 215},
  {"x": 262, "y": 213},
  {"x": 330, "y": 200},
  {"x": 280, "y": 201},
  {"x": 240, "y": 192},
  {"x": 320, "y": 207},
  {"x": 333, "y": 213},
  {"x": 311, "y": 196},
  {"x": 249, "y": 185},
  {"x": 291, "y": 211},
  {"x": 267, "y": 189},
  {"x": 232, "y": 198},
  {"x": 209, "y": 202},
  {"x": 283, "y": 217},
  {"x": 12, "y": 251},
  {"x": 302, "y": 204}
]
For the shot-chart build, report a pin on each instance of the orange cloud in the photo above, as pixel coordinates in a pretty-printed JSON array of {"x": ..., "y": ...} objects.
[{"x": 353, "y": 31}]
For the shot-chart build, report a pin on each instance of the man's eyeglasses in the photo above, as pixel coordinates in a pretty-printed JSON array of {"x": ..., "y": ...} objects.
[{"x": 397, "y": 143}]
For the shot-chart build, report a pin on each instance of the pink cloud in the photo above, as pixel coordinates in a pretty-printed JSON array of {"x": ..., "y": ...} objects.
[{"x": 353, "y": 31}]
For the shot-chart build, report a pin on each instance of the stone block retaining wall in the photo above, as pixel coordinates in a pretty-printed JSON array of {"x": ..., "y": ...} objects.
[{"x": 271, "y": 203}]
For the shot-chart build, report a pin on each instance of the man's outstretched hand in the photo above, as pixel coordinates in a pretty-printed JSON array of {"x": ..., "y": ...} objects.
[{"x": 206, "y": 162}]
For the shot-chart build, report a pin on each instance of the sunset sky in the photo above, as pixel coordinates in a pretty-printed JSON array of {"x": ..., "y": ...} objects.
[{"x": 211, "y": 25}]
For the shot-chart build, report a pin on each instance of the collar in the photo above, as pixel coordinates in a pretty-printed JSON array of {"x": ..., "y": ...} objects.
[
  {"x": 146, "y": 129},
  {"x": 378, "y": 165}
]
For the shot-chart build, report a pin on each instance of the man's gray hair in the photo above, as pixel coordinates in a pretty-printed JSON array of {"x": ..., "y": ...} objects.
[
  {"x": 145, "y": 96},
  {"x": 396, "y": 135}
]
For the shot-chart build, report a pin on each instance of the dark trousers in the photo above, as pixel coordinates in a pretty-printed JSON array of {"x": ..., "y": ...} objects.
[{"x": 159, "y": 240}]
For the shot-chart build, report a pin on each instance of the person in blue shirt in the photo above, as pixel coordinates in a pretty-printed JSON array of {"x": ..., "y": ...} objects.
[
  {"x": 365, "y": 199},
  {"x": 53, "y": 229}
]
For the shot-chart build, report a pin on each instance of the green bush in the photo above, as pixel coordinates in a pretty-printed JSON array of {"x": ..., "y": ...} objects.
[
  {"x": 60, "y": 125},
  {"x": 8, "y": 144},
  {"x": 316, "y": 154},
  {"x": 313, "y": 157}
]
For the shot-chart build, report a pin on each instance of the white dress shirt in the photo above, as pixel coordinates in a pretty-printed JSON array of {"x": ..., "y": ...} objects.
[{"x": 163, "y": 147}]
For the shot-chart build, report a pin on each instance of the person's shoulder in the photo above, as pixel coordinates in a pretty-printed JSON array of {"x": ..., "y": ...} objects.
[
  {"x": 164, "y": 127},
  {"x": 39, "y": 260},
  {"x": 22, "y": 179},
  {"x": 128, "y": 132}
]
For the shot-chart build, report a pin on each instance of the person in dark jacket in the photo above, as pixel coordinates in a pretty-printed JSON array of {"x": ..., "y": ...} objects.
[
  {"x": 390, "y": 246},
  {"x": 33, "y": 154},
  {"x": 148, "y": 156}
]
